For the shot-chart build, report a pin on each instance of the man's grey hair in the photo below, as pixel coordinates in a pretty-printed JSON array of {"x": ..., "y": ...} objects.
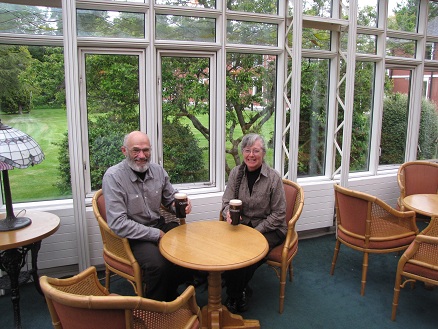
[{"x": 125, "y": 140}]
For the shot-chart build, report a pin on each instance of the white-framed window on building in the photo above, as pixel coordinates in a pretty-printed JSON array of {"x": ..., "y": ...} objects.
[
  {"x": 246, "y": 110},
  {"x": 111, "y": 99},
  {"x": 395, "y": 115},
  {"x": 313, "y": 116},
  {"x": 187, "y": 113}
]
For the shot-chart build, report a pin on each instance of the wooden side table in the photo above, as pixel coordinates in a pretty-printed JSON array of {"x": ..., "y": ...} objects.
[
  {"x": 215, "y": 246},
  {"x": 14, "y": 246}
]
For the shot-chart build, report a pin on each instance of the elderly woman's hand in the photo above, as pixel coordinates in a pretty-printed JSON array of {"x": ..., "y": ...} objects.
[
  {"x": 228, "y": 219},
  {"x": 189, "y": 206}
]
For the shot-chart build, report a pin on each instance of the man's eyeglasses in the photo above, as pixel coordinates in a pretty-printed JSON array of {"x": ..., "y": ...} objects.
[
  {"x": 136, "y": 151},
  {"x": 254, "y": 151}
]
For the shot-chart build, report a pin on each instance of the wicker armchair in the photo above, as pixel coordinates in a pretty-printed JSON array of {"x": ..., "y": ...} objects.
[
  {"x": 417, "y": 177},
  {"x": 418, "y": 262},
  {"x": 82, "y": 302},
  {"x": 368, "y": 224},
  {"x": 117, "y": 252},
  {"x": 280, "y": 258}
]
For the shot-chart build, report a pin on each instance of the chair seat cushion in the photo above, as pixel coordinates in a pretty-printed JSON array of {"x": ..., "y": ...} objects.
[
  {"x": 275, "y": 253},
  {"x": 421, "y": 271},
  {"x": 118, "y": 265},
  {"x": 386, "y": 244}
]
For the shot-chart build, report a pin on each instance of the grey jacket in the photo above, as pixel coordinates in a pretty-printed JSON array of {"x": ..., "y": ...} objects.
[
  {"x": 133, "y": 205},
  {"x": 265, "y": 208}
]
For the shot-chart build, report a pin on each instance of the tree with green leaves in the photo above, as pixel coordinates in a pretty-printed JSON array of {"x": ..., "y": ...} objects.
[
  {"x": 46, "y": 74},
  {"x": 16, "y": 93}
]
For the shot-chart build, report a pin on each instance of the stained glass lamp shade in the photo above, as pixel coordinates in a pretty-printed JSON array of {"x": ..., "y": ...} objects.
[{"x": 17, "y": 150}]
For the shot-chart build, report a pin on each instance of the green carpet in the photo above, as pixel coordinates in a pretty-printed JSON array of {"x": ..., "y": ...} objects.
[{"x": 314, "y": 299}]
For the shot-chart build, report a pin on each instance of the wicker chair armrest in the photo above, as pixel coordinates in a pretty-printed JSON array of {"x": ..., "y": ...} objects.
[
  {"x": 422, "y": 252},
  {"x": 393, "y": 211},
  {"x": 432, "y": 228},
  {"x": 350, "y": 233},
  {"x": 85, "y": 283},
  {"x": 403, "y": 218},
  {"x": 421, "y": 238},
  {"x": 401, "y": 181},
  {"x": 183, "y": 310},
  {"x": 117, "y": 247},
  {"x": 186, "y": 298}
]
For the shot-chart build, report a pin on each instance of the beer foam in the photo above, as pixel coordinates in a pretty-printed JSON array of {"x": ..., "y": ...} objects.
[{"x": 236, "y": 202}]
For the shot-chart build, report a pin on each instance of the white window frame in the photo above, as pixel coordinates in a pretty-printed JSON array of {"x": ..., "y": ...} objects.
[
  {"x": 83, "y": 52},
  {"x": 199, "y": 187}
]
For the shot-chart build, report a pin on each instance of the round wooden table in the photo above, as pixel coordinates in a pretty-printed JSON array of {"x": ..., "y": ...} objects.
[
  {"x": 425, "y": 204},
  {"x": 14, "y": 246},
  {"x": 215, "y": 246}
]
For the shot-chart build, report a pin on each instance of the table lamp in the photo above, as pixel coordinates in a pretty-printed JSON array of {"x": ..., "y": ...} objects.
[{"x": 17, "y": 150}]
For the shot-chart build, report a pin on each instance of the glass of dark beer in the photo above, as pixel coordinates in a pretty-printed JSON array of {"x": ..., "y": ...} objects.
[
  {"x": 180, "y": 205},
  {"x": 235, "y": 208}
]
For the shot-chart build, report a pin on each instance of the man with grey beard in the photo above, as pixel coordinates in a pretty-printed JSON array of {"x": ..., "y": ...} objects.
[{"x": 134, "y": 190}]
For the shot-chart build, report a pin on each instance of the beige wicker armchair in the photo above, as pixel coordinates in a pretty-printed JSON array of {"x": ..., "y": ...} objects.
[
  {"x": 117, "y": 252},
  {"x": 280, "y": 258},
  {"x": 418, "y": 262},
  {"x": 368, "y": 224},
  {"x": 417, "y": 177},
  {"x": 82, "y": 302}
]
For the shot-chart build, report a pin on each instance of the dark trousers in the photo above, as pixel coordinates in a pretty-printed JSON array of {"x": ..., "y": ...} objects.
[
  {"x": 237, "y": 280},
  {"x": 160, "y": 276}
]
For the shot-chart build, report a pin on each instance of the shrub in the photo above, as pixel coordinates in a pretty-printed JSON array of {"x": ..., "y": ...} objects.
[
  {"x": 394, "y": 129},
  {"x": 181, "y": 152}
]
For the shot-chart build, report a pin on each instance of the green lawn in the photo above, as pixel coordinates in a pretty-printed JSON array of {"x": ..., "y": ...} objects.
[{"x": 46, "y": 127}]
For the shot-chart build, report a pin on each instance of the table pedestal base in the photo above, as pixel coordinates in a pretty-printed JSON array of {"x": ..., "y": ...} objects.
[
  {"x": 215, "y": 315},
  {"x": 223, "y": 318}
]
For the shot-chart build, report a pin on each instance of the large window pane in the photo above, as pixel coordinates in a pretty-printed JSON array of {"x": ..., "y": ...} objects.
[
  {"x": 251, "y": 33},
  {"x": 316, "y": 39},
  {"x": 35, "y": 104},
  {"x": 432, "y": 30},
  {"x": 254, "y": 6},
  {"x": 313, "y": 117},
  {"x": 112, "y": 91},
  {"x": 110, "y": 24},
  {"x": 365, "y": 43},
  {"x": 34, "y": 20},
  {"x": 251, "y": 90},
  {"x": 432, "y": 19},
  {"x": 403, "y": 15},
  {"x": 431, "y": 51},
  {"x": 184, "y": 28},
  {"x": 322, "y": 8},
  {"x": 395, "y": 116},
  {"x": 186, "y": 118},
  {"x": 188, "y": 3},
  {"x": 367, "y": 10},
  {"x": 400, "y": 47},
  {"x": 362, "y": 115},
  {"x": 428, "y": 135}
]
